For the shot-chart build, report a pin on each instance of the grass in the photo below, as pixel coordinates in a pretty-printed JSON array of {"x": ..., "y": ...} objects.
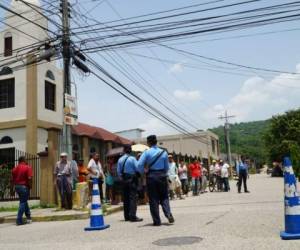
[{"x": 15, "y": 208}]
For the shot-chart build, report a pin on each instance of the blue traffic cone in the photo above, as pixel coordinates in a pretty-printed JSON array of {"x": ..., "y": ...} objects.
[
  {"x": 96, "y": 218},
  {"x": 292, "y": 203}
]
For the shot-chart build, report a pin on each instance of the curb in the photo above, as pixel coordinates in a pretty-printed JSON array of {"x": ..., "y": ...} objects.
[
  {"x": 113, "y": 210},
  {"x": 82, "y": 216}
]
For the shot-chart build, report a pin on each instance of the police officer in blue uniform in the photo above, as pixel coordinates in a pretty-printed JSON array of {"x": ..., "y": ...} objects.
[
  {"x": 154, "y": 162},
  {"x": 128, "y": 172}
]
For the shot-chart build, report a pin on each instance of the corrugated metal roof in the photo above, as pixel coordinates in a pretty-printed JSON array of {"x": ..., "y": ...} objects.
[{"x": 83, "y": 129}]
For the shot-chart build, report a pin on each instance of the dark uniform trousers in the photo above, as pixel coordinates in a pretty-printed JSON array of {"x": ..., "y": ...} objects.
[
  {"x": 157, "y": 187},
  {"x": 130, "y": 185},
  {"x": 242, "y": 178}
]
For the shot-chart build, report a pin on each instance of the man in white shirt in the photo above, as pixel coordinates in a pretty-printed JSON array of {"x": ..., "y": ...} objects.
[
  {"x": 96, "y": 172},
  {"x": 225, "y": 175},
  {"x": 174, "y": 182}
]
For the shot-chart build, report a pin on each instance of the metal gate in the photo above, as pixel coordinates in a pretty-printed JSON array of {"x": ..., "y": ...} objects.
[{"x": 8, "y": 160}]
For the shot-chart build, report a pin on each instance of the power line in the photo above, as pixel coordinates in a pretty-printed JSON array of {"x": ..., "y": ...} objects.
[
  {"x": 177, "y": 15},
  {"x": 176, "y": 24},
  {"x": 127, "y": 75},
  {"x": 25, "y": 18},
  {"x": 159, "y": 115},
  {"x": 42, "y": 14}
]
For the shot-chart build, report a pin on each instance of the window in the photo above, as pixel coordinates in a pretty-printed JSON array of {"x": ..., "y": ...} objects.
[
  {"x": 75, "y": 148},
  {"x": 213, "y": 145},
  {"x": 50, "y": 96},
  {"x": 7, "y": 155},
  {"x": 50, "y": 75},
  {"x": 92, "y": 150},
  {"x": 7, "y": 93},
  {"x": 8, "y": 44}
]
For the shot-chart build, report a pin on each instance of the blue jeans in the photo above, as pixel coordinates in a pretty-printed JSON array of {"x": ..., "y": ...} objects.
[
  {"x": 23, "y": 193},
  {"x": 195, "y": 185}
]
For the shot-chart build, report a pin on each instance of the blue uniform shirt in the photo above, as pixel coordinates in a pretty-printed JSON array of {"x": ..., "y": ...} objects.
[
  {"x": 242, "y": 166},
  {"x": 130, "y": 166},
  {"x": 149, "y": 156}
]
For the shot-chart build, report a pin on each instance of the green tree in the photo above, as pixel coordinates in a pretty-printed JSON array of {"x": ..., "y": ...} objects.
[
  {"x": 283, "y": 138},
  {"x": 246, "y": 138}
]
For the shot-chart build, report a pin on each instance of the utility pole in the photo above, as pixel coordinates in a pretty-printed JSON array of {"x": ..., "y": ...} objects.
[
  {"x": 66, "y": 44},
  {"x": 226, "y": 117}
]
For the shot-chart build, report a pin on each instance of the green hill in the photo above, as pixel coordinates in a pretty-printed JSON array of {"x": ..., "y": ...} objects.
[{"x": 246, "y": 139}]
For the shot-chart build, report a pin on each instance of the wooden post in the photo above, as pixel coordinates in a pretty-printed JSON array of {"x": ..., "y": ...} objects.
[
  {"x": 48, "y": 161},
  {"x": 85, "y": 150}
]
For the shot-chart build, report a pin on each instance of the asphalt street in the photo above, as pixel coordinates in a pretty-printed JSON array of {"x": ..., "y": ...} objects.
[{"x": 209, "y": 221}]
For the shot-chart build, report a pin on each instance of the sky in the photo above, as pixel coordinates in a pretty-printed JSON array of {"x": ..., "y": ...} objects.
[{"x": 193, "y": 92}]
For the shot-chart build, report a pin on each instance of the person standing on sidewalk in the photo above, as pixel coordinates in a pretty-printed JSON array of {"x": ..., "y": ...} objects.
[
  {"x": 155, "y": 162},
  {"x": 95, "y": 168},
  {"x": 243, "y": 175},
  {"x": 128, "y": 173},
  {"x": 74, "y": 170},
  {"x": 204, "y": 178},
  {"x": 22, "y": 181},
  {"x": 218, "y": 174},
  {"x": 183, "y": 176},
  {"x": 63, "y": 181},
  {"x": 172, "y": 173},
  {"x": 82, "y": 171},
  {"x": 225, "y": 176},
  {"x": 195, "y": 173}
]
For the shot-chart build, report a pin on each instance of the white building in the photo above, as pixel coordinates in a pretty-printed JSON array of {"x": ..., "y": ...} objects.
[
  {"x": 131, "y": 134},
  {"x": 202, "y": 144},
  {"x": 31, "y": 96}
]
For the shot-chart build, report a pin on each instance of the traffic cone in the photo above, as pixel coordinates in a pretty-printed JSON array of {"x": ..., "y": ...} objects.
[
  {"x": 96, "y": 218},
  {"x": 292, "y": 203}
]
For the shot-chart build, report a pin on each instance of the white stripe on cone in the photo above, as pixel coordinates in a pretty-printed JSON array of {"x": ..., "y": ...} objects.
[
  {"x": 96, "y": 199},
  {"x": 295, "y": 210},
  {"x": 95, "y": 187},
  {"x": 289, "y": 169},
  {"x": 96, "y": 212},
  {"x": 290, "y": 190}
]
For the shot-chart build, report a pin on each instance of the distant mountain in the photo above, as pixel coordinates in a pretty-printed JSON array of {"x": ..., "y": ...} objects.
[{"x": 246, "y": 139}]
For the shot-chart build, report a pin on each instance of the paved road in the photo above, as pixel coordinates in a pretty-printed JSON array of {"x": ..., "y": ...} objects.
[{"x": 221, "y": 220}]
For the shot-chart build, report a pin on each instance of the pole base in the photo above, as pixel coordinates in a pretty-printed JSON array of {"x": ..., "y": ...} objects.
[
  {"x": 287, "y": 236},
  {"x": 96, "y": 228}
]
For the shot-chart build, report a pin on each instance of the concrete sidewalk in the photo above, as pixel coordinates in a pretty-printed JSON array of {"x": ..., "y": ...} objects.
[{"x": 54, "y": 214}]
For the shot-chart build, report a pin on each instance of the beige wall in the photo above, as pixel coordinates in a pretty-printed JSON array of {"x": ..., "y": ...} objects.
[{"x": 200, "y": 146}]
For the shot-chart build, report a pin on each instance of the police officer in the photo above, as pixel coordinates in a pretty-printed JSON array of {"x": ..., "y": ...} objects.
[
  {"x": 128, "y": 172},
  {"x": 154, "y": 162}
]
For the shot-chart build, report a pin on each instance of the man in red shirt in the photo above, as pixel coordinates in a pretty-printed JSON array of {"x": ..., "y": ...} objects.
[
  {"x": 195, "y": 173},
  {"x": 22, "y": 181}
]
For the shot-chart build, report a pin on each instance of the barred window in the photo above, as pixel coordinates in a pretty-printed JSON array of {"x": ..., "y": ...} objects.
[
  {"x": 8, "y": 44},
  {"x": 7, "y": 93},
  {"x": 50, "y": 96}
]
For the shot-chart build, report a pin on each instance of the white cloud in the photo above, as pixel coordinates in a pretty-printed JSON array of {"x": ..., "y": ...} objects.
[
  {"x": 176, "y": 68},
  {"x": 192, "y": 95},
  {"x": 259, "y": 98}
]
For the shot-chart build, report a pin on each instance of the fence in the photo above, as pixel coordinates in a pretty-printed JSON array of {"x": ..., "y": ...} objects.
[{"x": 5, "y": 175}]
